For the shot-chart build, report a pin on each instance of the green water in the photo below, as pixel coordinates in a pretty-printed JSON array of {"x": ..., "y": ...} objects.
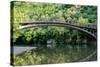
[{"x": 68, "y": 53}]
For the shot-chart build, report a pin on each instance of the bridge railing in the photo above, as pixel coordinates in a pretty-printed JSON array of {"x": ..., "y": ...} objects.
[{"x": 92, "y": 27}]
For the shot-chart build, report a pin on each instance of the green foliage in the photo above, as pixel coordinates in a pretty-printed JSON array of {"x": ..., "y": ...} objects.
[
  {"x": 29, "y": 11},
  {"x": 39, "y": 35},
  {"x": 82, "y": 21}
]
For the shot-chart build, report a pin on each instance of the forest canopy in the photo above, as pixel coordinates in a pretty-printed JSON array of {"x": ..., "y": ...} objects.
[{"x": 35, "y": 11}]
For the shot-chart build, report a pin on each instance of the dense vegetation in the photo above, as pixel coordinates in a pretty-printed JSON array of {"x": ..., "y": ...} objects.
[
  {"x": 40, "y": 35},
  {"x": 29, "y": 11}
]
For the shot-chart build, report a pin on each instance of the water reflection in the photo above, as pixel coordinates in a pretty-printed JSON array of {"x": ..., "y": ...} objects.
[
  {"x": 68, "y": 53},
  {"x": 79, "y": 51}
]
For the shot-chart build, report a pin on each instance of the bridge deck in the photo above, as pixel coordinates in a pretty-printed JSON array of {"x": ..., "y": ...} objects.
[{"x": 93, "y": 27}]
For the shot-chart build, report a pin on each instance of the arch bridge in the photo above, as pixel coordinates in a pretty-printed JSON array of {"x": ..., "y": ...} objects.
[{"x": 91, "y": 30}]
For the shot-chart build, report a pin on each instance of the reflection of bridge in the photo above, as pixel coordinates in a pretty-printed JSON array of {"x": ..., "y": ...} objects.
[{"x": 89, "y": 29}]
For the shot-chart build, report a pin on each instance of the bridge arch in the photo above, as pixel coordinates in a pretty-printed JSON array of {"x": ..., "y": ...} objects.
[{"x": 59, "y": 25}]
